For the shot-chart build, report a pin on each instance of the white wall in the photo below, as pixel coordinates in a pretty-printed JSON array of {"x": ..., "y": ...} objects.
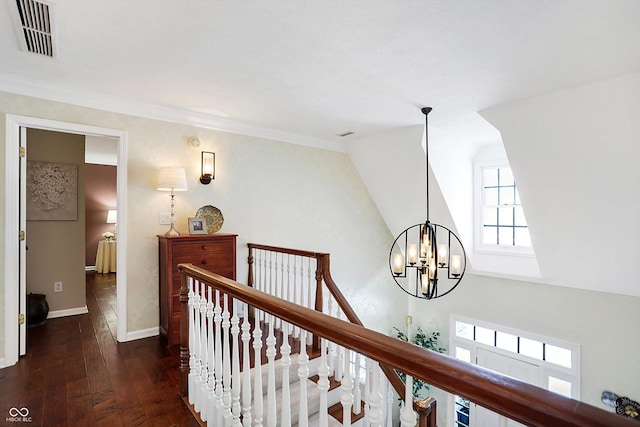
[
  {"x": 269, "y": 192},
  {"x": 575, "y": 155},
  {"x": 603, "y": 324}
]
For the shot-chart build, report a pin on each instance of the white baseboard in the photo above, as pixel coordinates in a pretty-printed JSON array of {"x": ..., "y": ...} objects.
[
  {"x": 142, "y": 333},
  {"x": 68, "y": 312},
  {"x": 89, "y": 268}
]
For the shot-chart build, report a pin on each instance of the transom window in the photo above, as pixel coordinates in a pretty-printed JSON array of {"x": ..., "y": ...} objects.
[
  {"x": 502, "y": 223},
  {"x": 547, "y": 362}
]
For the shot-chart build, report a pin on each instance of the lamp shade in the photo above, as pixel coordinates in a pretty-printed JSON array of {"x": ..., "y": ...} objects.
[
  {"x": 112, "y": 216},
  {"x": 172, "y": 178}
]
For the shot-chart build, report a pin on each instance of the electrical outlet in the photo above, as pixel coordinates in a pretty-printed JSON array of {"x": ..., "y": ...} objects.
[
  {"x": 57, "y": 287},
  {"x": 165, "y": 218}
]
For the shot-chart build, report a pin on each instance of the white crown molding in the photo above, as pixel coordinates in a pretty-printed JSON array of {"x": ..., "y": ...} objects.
[{"x": 71, "y": 95}]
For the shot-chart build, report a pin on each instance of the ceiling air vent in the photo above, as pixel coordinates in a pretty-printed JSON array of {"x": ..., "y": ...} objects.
[{"x": 36, "y": 26}]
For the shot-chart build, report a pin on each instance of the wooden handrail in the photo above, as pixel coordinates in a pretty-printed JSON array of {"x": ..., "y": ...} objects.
[
  {"x": 323, "y": 273},
  {"x": 507, "y": 396},
  {"x": 391, "y": 375}
]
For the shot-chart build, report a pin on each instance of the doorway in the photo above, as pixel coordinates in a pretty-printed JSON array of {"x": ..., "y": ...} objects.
[
  {"x": 527, "y": 372},
  {"x": 14, "y": 293}
]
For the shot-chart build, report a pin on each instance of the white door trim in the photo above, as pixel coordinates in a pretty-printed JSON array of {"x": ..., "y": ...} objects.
[{"x": 12, "y": 224}]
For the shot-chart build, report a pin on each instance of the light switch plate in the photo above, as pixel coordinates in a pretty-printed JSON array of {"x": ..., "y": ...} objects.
[{"x": 165, "y": 218}]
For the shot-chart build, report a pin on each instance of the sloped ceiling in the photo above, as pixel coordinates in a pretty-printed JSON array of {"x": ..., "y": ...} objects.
[{"x": 304, "y": 72}]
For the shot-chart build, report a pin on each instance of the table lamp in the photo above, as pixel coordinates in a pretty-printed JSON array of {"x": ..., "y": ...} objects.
[{"x": 172, "y": 179}]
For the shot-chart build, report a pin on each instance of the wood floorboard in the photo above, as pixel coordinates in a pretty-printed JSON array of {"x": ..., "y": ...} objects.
[{"x": 75, "y": 373}]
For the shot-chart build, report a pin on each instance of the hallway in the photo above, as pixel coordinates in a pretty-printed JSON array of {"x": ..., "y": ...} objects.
[{"x": 75, "y": 373}]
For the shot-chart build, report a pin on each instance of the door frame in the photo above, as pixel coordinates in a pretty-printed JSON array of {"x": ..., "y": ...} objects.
[{"x": 12, "y": 223}]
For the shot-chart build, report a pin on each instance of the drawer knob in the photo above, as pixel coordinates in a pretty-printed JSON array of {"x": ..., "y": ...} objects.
[
  {"x": 204, "y": 247},
  {"x": 204, "y": 262}
]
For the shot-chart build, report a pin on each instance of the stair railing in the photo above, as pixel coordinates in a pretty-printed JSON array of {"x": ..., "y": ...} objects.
[
  {"x": 504, "y": 395},
  {"x": 298, "y": 276}
]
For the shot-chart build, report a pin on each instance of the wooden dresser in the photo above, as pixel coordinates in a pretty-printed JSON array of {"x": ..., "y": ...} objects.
[{"x": 214, "y": 252}]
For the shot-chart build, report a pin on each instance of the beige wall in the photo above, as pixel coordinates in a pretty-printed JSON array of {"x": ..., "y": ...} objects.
[
  {"x": 268, "y": 191},
  {"x": 602, "y": 324},
  {"x": 56, "y": 248}
]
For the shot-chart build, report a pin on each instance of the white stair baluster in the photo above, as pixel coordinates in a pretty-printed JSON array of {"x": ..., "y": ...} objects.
[
  {"x": 295, "y": 295},
  {"x": 323, "y": 383},
  {"x": 280, "y": 292},
  {"x": 226, "y": 363},
  {"x": 331, "y": 356},
  {"x": 246, "y": 369},
  {"x": 389, "y": 407},
  {"x": 210, "y": 409},
  {"x": 204, "y": 369},
  {"x": 339, "y": 363},
  {"x": 357, "y": 392},
  {"x": 191, "y": 378},
  {"x": 235, "y": 365},
  {"x": 217, "y": 320},
  {"x": 407, "y": 415},
  {"x": 346, "y": 397},
  {"x": 303, "y": 375},
  {"x": 305, "y": 298},
  {"x": 271, "y": 373},
  {"x": 285, "y": 362},
  {"x": 257, "y": 377},
  {"x": 196, "y": 349},
  {"x": 374, "y": 397}
]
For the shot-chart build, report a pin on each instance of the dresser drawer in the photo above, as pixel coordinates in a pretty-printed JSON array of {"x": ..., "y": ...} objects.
[
  {"x": 203, "y": 247},
  {"x": 209, "y": 261},
  {"x": 215, "y": 253}
]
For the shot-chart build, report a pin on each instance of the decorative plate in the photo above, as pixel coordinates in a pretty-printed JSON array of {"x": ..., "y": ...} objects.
[{"x": 213, "y": 216}]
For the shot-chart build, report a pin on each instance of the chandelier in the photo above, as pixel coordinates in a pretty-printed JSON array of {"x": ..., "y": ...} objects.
[{"x": 427, "y": 260}]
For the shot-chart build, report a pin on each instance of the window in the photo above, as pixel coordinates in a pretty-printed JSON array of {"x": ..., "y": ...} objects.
[
  {"x": 501, "y": 221},
  {"x": 557, "y": 362}
]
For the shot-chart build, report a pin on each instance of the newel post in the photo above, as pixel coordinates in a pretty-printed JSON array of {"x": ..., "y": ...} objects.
[
  {"x": 184, "y": 335},
  {"x": 426, "y": 410},
  {"x": 321, "y": 259}
]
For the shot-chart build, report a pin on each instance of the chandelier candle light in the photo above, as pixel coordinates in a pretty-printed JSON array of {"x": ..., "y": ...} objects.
[
  {"x": 427, "y": 260},
  {"x": 172, "y": 179}
]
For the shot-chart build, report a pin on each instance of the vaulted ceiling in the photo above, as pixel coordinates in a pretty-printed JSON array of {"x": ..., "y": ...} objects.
[
  {"x": 308, "y": 71},
  {"x": 311, "y": 70}
]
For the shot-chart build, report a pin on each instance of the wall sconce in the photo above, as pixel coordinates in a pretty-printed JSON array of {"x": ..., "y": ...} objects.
[{"x": 207, "y": 167}]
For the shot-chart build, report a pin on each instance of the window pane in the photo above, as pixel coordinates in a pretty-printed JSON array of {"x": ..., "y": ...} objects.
[
  {"x": 490, "y": 235},
  {"x": 505, "y": 216},
  {"x": 506, "y": 177},
  {"x": 522, "y": 237},
  {"x": 531, "y": 348},
  {"x": 560, "y": 386},
  {"x": 463, "y": 354},
  {"x": 507, "y": 341},
  {"x": 558, "y": 355},
  {"x": 464, "y": 330},
  {"x": 489, "y": 177},
  {"x": 519, "y": 216},
  {"x": 490, "y": 216},
  {"x": 505, "y": 236},
  {"x": 490, "y": 196},
  {"x": 485, "y": 336},
  {"x": 507, "y": 196}
]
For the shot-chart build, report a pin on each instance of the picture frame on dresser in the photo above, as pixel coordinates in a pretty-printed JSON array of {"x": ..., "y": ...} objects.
[{"x": 197, "y": 225}]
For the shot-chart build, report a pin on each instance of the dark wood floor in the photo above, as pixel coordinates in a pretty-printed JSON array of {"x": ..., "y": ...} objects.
[{"x": 75, "y": 373}]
